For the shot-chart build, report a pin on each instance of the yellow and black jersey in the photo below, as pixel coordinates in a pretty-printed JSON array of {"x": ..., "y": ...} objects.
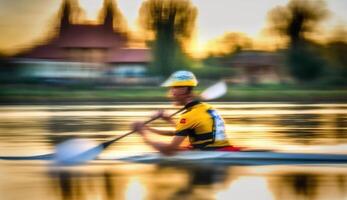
[{"x": 203, "y": 125}]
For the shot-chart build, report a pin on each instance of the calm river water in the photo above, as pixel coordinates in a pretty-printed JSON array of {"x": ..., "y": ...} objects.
[{"x": 33, "y": 130}]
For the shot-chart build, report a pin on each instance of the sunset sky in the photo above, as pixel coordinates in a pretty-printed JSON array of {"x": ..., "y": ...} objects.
[{"x": 25, "y": 21}]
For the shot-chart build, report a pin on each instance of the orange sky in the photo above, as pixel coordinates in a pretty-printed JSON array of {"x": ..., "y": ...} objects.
[{"x": 23, "y": 22}]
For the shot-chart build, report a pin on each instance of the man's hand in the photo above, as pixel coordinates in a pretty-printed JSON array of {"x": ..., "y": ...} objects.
[
  {"x": 139, "y": 127},
  {"x": 161, "y": 114}
]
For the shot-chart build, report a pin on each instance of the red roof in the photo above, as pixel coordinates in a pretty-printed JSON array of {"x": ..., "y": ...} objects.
[
  {"x": 129, "y": 55},
  {"x": 71, "y": 37},
  {"x": 44, "y": 52},
  {"x": 90, "y": 36}
]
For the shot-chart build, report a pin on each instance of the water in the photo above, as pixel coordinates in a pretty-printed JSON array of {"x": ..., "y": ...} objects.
[{"x": 29, "y": 130}]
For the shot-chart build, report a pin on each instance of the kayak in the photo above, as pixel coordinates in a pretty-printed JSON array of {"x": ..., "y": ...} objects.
[
  {"x": 215, "y": 157},
  {"x": 49, "y": 156},
  {"x": 238, "y": 157}
]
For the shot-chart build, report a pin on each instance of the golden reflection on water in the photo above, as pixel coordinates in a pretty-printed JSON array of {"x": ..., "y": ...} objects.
[
  {"x": 135, "y": 189},
  {"x": 28, "y": 130},
  {"x": 254, "y": 125},
  {"x": 116, "y": 180},
  {"x": 247, "y": 187}
]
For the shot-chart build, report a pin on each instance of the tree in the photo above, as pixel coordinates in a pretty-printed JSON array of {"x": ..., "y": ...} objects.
[
  {"x": 229, "y": 43},
  {"x": 296, "y": 21},
  {"x": 304, "y": 62},
  {"x": 171, "y": 23},
  {"x": 336, "y": 52}
]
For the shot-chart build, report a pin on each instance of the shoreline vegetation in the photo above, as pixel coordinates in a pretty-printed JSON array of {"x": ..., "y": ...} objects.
[{"x": 39, "y": 94}]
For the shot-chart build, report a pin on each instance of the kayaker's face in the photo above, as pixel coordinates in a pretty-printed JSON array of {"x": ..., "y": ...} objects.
[{"x": 179, "y": 94}]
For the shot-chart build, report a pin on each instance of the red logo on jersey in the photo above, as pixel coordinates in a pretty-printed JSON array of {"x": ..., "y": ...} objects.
[{"x": 183, "y": 121}]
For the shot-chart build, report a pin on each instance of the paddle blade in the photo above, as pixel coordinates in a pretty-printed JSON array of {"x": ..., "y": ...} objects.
[
  {"x": 215, "y": 91},
  {"x": 76, "y": 151}
]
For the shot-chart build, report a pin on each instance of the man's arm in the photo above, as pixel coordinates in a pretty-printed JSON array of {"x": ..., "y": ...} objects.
[
  {"x": 161, "y": 132},
  {"x": 162, "y": 115},
  {"x": 165, "y": 148}
]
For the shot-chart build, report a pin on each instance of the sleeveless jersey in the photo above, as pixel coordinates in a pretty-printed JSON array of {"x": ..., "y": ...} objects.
[{"x": 203, "y": 125}]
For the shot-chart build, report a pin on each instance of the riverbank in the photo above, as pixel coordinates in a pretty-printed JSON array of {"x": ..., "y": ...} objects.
[{"x": 39, "y": 94}]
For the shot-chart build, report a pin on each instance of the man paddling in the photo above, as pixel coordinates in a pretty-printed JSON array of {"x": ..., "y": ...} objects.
[{"x": 199, "y": 121}]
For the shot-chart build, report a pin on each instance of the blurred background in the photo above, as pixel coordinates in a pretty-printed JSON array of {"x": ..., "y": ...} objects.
[
  {"x": 105, "y": 50},
  {"x": 90, "y": 68}
]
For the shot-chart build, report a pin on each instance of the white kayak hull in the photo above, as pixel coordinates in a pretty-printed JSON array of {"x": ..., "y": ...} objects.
[
  {"x": 217, "y": 157},
  {"x": 246, "y": 158}
]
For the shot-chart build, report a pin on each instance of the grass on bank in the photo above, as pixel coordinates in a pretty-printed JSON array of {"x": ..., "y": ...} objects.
[{"x": 29, "y": 93}]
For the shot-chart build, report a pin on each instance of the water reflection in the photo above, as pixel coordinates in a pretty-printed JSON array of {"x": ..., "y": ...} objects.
[
  {"x": 307, "y": 185},
  {"x": 200, "y": 182},
  {"x": 74, "y": 185},
  {"x": 288, "y": 124},
  {"x": 58, "y": 125},
  {"x": 162, "y": 182},
  {"x": 247, "y": 187},
  {"x": 253, "y": 125},
  {"x": 28, "y": 130}
]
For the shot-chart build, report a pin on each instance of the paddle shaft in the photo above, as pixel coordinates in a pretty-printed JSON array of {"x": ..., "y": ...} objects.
[{"x": 108, "y": 143}]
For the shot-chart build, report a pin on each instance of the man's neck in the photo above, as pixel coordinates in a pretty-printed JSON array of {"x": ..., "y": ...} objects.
[
  {"x": 191, "y": 104},
  {"x": 189, "y": 99}
]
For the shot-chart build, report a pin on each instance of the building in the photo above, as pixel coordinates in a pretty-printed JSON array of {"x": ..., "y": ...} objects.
[
  {"x": 85, "y": 50},
  {"x": 254, "y": 67}
]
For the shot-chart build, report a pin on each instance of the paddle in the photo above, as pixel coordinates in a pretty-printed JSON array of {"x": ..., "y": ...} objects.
[{"x": 77, "y": 151}]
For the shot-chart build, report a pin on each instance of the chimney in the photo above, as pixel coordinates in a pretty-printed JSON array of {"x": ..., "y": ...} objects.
[
  {"x": 65, "y": 15},
  {"x": 108, "y": 14}
]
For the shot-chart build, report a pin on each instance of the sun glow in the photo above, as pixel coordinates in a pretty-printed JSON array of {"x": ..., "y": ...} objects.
[
  {"x": 135, "y": 189},
  {"x": 91, "y": 8},
  {"x": 247, "y": 188}
]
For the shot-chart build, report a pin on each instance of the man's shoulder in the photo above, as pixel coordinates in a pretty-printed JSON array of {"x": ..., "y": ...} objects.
[
  {"x": 197, "y": 109},
  {"x": 203, "y": 106}
]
